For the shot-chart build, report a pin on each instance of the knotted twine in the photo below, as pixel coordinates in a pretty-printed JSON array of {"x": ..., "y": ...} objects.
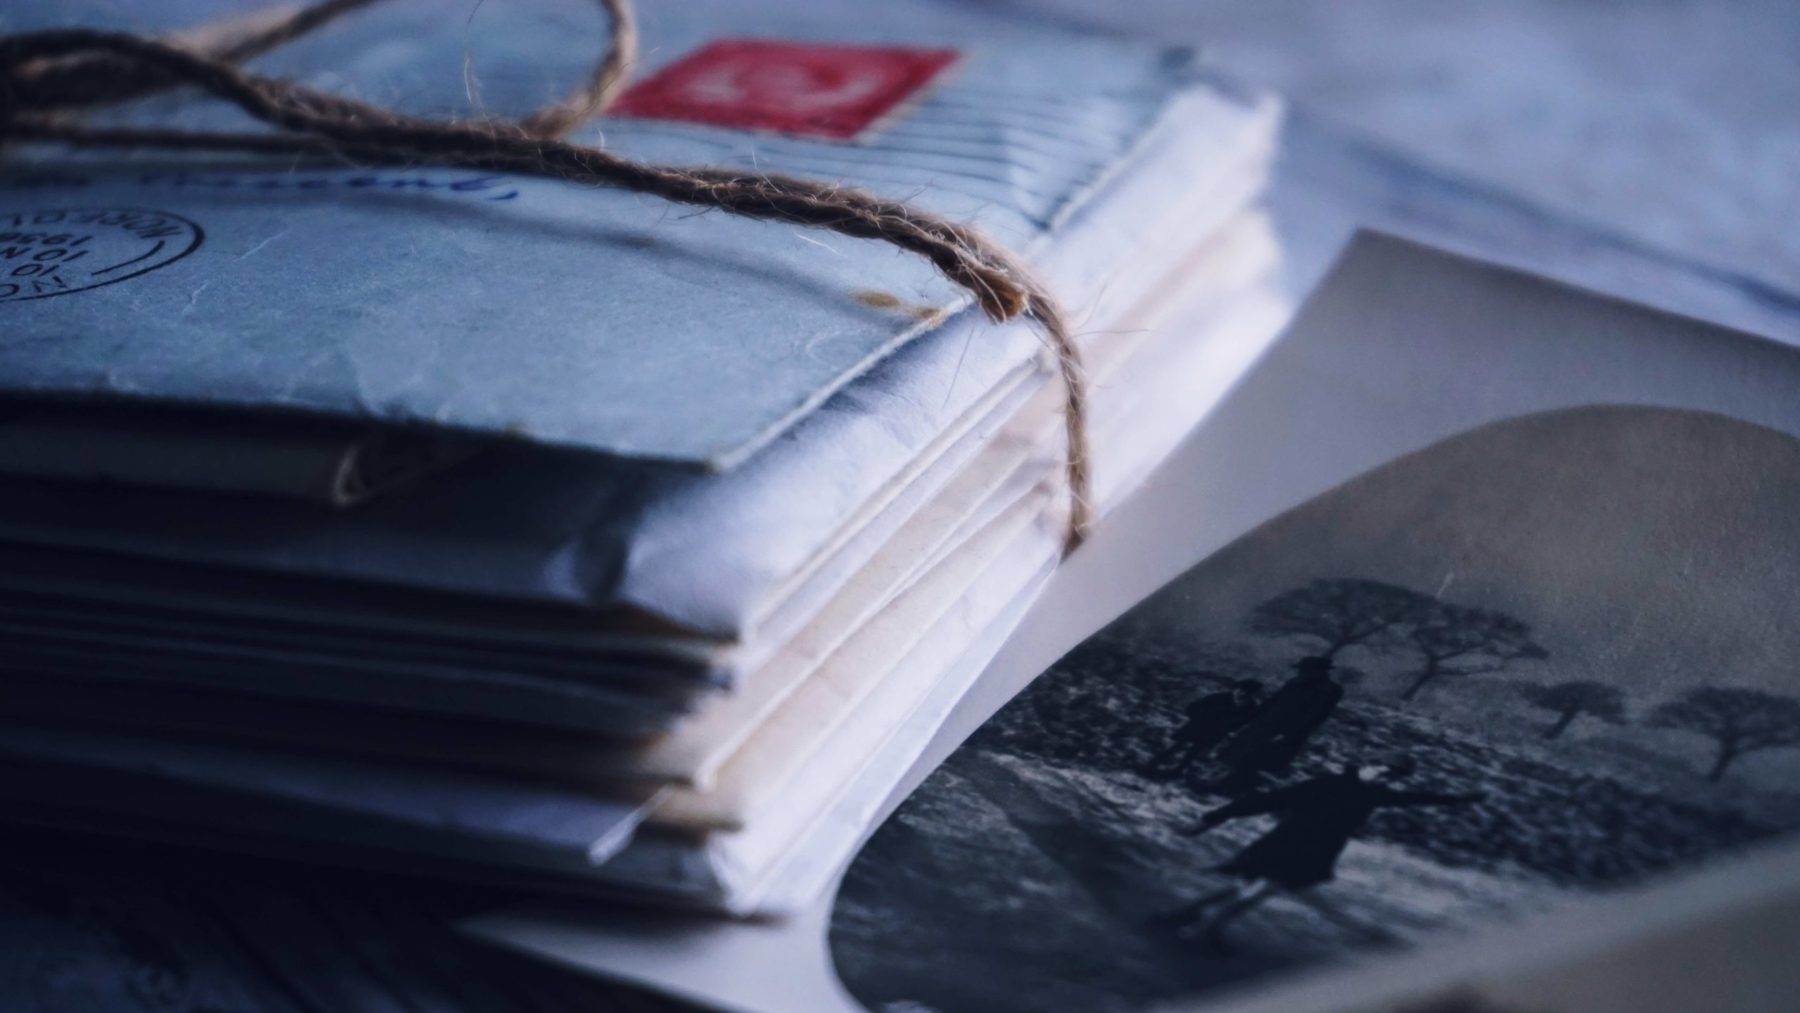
[{"x": 47, "y": 77}]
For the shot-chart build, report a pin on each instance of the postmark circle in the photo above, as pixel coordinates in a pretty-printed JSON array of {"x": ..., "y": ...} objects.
[{"x": 53, "y": 252}]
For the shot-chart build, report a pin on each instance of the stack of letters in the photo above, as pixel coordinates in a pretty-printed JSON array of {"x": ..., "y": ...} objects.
[{"x": 502, "y": 528}]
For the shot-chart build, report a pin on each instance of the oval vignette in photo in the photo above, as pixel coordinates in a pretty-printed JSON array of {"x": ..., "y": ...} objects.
[{"x": 1533, "y": 663}]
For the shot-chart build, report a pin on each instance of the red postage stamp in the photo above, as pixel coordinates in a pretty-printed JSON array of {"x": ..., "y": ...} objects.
[{"x": 810, "y": 90}]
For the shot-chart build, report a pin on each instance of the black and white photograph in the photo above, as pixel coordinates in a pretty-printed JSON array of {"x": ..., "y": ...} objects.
[{"x": 1540, "y": 661}]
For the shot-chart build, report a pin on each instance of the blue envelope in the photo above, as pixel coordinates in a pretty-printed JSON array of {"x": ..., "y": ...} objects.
[{"x": 528, "y": 309}]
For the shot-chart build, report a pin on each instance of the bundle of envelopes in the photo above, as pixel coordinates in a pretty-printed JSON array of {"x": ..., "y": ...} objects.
[{"x": 498, "y": 527}]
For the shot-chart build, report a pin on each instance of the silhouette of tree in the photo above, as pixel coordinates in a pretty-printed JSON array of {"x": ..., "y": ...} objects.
[
  {"x": 1339, "y": 613},
  {"x": 1570, "y": 700},
  {"x": 1739, "y": 721},
  {"x": 1461, "y": 640}
]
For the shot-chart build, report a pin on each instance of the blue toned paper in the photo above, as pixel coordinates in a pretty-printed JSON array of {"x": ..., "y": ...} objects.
[{"x": 566, "y": 315}]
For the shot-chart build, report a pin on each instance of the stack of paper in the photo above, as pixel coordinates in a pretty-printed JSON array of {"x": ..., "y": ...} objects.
[{"x": 500, "y": 527}]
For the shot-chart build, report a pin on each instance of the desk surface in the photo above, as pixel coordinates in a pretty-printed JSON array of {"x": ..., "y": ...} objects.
[
  {"x": 1669, "y": 122},
  {"x": 100, "y": 927}
]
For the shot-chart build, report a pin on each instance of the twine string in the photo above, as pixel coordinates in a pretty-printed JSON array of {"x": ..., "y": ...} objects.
[{"x": 48, "y": 77}]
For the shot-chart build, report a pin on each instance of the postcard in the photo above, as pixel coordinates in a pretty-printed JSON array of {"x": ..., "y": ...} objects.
[{"x": 1537, "y": 659}]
